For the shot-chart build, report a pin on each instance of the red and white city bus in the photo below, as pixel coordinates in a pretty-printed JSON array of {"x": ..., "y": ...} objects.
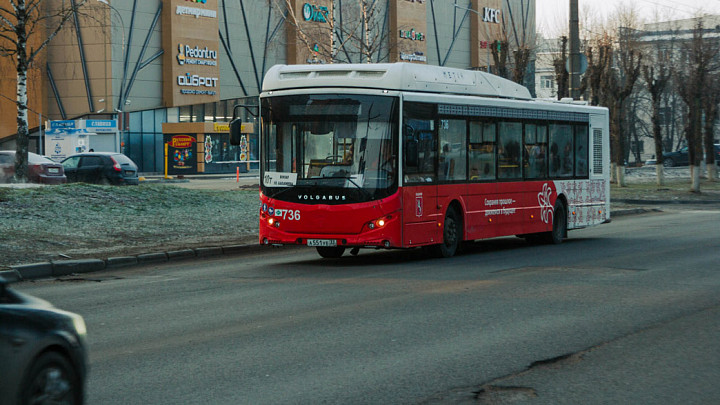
[{"x": 406, "y": 155}]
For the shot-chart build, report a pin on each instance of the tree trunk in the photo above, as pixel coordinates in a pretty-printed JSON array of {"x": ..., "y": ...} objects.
[
  {"x": 21, "y": 151},
  {"x": 712, "y": 173},
  {"x": 695, "y": 173},
  {"x": 621, "y": 176},
  {"x": 660, "y": 174}
]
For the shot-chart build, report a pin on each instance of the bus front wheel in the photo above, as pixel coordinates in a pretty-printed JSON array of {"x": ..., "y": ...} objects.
[
  {"x": 330, "y": 252},
  {"x": 452, "y": 235}
]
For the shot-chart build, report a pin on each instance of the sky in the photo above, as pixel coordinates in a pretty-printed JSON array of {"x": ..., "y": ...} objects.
[{"x": 552, "y": 15}]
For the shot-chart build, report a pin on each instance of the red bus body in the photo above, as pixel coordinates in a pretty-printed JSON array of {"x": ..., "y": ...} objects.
[{"x": 415, "y": 213}]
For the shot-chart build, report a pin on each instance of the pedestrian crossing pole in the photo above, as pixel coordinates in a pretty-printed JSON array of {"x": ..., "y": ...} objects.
[{"x": 166, "y": 161}]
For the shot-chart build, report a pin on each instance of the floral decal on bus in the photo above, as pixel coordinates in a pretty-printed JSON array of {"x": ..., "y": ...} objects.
[{"x": 546, "y": 207}]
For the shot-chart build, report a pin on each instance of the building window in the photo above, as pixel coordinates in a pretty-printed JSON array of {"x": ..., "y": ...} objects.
[{"x": 547, "y": 82}]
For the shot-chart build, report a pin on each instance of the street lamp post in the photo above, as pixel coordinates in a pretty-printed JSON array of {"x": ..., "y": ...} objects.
[{"x": 574, "y": 70}]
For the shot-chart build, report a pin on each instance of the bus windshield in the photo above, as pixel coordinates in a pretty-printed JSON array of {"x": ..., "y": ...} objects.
[{"x": 329, "y": 148}]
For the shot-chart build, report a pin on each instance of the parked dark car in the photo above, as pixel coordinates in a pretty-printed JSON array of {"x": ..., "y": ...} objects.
[
  {"x": 101, "y": 168},
  {"x": 43, "y": 357},
  {"x": 40, "y": 169},
  {"x": 677, "y": 158},
  {"x": 681, "y": 157}
]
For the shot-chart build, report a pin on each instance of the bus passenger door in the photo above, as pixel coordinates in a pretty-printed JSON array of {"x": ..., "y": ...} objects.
[
  {"x": 420, "y": 215},
  {"x": 419, "y": 192}
]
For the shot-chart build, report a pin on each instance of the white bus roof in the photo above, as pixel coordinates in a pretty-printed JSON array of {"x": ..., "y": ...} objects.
[{"x": 393, "y": 76}]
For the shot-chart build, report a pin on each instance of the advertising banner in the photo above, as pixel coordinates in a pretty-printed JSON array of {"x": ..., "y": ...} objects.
[
  {"x": 192, "y": 47},
  {"x": 181, "y": 158},
  {"x": 486, "y": 27},
  {"x": 408, "y": 28},
  {"x": 309, "y": 32}
]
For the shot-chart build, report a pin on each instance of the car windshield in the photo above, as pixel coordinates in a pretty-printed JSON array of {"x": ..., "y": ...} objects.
[{"x": 331, "y": 141}]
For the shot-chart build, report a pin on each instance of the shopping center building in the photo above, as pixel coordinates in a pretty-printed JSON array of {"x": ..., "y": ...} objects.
[{"x": 134, "y": 75}]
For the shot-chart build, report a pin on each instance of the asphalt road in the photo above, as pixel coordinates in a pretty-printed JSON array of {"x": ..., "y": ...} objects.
[{"x": 627, "y": 312}]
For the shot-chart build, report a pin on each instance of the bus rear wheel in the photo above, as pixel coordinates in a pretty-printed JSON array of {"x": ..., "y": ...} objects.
[
  {"x": 330, "y": 252},
  {"x": 559, "y": 231}
]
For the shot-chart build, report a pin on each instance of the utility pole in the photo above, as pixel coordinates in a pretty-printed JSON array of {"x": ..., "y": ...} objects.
[{"x": 574, "y": 51}]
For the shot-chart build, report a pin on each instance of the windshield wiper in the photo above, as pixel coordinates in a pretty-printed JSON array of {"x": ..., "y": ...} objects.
[
  {"x": 286, "y": 189},
  {"x": 365, "y": 193}
]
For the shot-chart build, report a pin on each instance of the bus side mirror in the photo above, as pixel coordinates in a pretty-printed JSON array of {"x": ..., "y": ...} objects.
[{"x": 235, "y": 131}]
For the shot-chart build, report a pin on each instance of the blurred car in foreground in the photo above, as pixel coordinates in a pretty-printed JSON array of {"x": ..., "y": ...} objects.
[
  {"x": 42, "y": 351},
  {"x": 101, "y": 168},
  {"x": 40, "y": 169}
]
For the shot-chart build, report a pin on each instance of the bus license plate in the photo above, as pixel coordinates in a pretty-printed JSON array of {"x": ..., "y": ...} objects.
[{"x": 322, "y": 242}]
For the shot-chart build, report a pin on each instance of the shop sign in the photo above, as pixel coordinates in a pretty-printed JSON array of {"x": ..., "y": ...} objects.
[
  {"x": 196, "y": 12},
  {"x": 187, "y": 55},
  {"x": 182, "y": 141},
  {"x": 221, "y": 127},
  {"x": 491, "y": 15},
  {"x": 413, "y": 57},
  {"x": 412, "y": 35},
  {"x": 312, "y": 12},
  {"x": 101, "y": 125},
  {"x": 63, "y": 124},
  {"x": 189, "y": 80}
]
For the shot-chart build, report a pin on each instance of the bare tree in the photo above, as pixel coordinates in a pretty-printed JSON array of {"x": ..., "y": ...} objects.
[
  {"x": 516, "y": 41},
  {"x": 698, "y": 61},
  {"x": 611, "y": 77},
  {"x": 657, "y": 82},
  {"x": 20, "y": 22},
  {"x": 562, "y": 77},
  {"x": 711, "y": 100},
  {"x": 499, "y": 50},
  {"x": 354, "y": 32}
]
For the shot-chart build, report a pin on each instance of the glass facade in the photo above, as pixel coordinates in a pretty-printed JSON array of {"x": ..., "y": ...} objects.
[{"x": 142, "y": 135}]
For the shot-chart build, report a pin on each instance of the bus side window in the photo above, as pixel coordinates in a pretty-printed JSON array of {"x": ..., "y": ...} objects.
[
  {"x": 509, "y": 150},
  {"x": 482, "y": 151},
  {"x": 453, "y": 150},
  {"x": 535, "y": 151},
  {"x": 581, "y": 151},
  {"x": 561, "y": 150}
]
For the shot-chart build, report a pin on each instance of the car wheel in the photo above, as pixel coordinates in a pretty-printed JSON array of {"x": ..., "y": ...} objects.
[
  {"x": 51, "y": 380},
  {"x": 330, "y": 252},
  {"x": 668, "y": 162},
  {"x": 559, "y": 231}
]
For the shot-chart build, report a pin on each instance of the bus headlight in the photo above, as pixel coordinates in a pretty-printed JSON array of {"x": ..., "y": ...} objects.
[{"x": 378, "y": 223}]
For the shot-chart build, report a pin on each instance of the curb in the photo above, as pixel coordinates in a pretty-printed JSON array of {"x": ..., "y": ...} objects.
[
  {"x": 632, "y": 211},
  {"x": 58, "y": 268},
  {"x": 661, "y": 202}
]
